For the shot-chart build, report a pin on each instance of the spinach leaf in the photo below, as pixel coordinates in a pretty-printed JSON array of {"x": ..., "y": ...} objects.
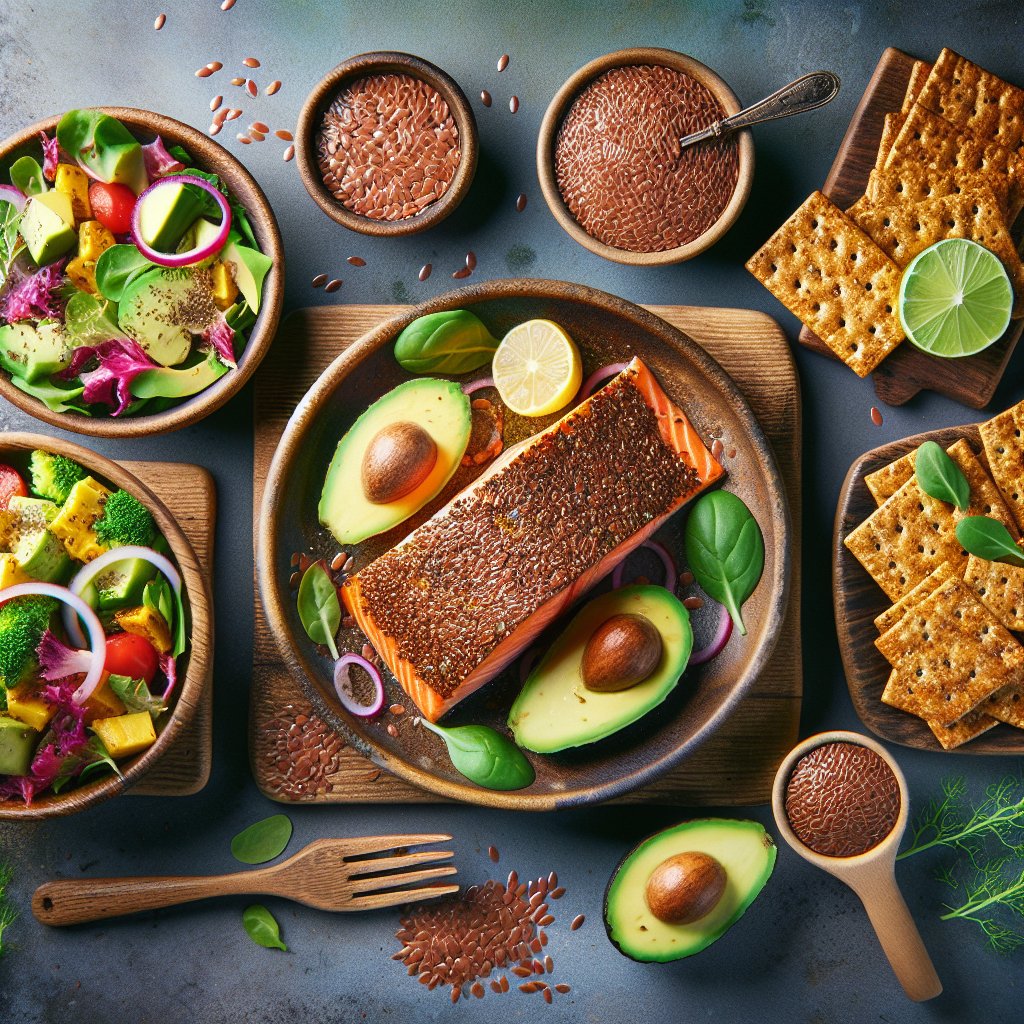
[
  {"x": 319, "y": 608},
  {"x": 262, "y": 928},
  {"x": 158, "y": 597},
  {"x": 452, "y": 342},
  {"x": 84, "y": 761},
  {"x": 27, "y": 176},
  {"x": 55, "y": 398},
  {"x": 988, "y": 538},
  {"x": 117, "y": 267},
  {"x": 10, "y": 238},
  {"x": 725, "y": 550},
  {"x": 484, "y": 756},
  {"x": 135, "y": 695},
  {"x": 90, "y": 321},
  {"x": 263, "y": 840},
  {"x": 940, "y": 477},
  {"x": 104, "y": 145}
]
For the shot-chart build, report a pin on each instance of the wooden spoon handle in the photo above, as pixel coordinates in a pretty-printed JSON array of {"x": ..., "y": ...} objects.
[
  {"x": 900, "y": 939},
  {"x": 77, "y": 900}
]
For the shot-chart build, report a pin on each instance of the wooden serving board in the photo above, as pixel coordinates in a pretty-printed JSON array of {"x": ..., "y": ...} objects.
[
  {"x": 972, "y": 381},
  {"x": 859, "y": 600},
  {"x": 296, "y": 757},
  {"x": 190, "y": 494}
]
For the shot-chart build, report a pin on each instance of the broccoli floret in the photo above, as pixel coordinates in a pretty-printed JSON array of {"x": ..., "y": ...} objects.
[
  {"x": 22, "y": 623},
  {"x": 125, "y": 520},
  {"x": 53, "y": 476}
]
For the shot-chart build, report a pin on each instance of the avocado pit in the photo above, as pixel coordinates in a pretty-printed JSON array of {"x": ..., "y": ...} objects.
[
  {"x": 685, "y": 887},
  {"x": 622, "y": 652},
  {"x": 397, "y": 460}
]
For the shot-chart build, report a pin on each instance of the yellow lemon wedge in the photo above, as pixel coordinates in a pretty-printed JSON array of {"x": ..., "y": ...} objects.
[{"x": 537, "y": 368}]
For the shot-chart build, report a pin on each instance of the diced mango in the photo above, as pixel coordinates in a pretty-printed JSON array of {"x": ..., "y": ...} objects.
[
  {"x": 74, "y": 183},
  {"x": 27, "y": 704},
  {"x": 225, "y": 291},
  {"x": 83, "y": 274},
  {"x": 74, "y": 522},
  {"x": 11, "y": 572},
  {"x": 93, "y": 240},
  {"x": 103, "y": 702},
  {"x": 10, "y": 528},
  {"x": 145, "y": 622},
  {"x": 125, "y": 735}
]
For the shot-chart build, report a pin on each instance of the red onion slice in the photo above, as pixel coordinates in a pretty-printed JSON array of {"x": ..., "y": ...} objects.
[
  {"x": 671, "y": 576},
  {"x": 14, "y": 196},
  {"x": 611, "y": 370},
  {"x": 722, "y": 633},
  {"x": 343, "y": 686},
  {"x": 181, "y": 259},
  {"x": 478, "y": 385}
]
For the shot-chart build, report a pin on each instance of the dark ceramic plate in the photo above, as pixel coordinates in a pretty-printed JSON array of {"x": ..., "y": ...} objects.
[{"x": 608, "y": 330}]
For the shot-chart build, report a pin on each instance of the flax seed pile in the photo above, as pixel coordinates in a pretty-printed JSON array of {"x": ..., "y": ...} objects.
[
  {"x": 619, "y": 166},
  {"x": 388, "y": 146}
]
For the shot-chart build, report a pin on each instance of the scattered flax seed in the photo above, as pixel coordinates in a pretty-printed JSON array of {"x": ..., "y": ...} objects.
[
  {"x": 232, "y": 114},
  {"x": 284, "y": 135},
  {"x": 215, "y": 128},
  {"x": 333, "y": 285},
  {"x": 503, "y": 62},
  {"x": 547, "y": 994},
  {"x": 261, "y": 127},
  {"x": 549, "y": 964},
  {"x": 876, "y": 416},
  {"x": 513, "y": 104},
  {"x": 293, "y": 580},
  {"x": 288, "y": 154},
  {"x": 731, "y": 453},
  {"x": 203, "y": 73},
  {"x": 392, "y": 730},
  {"x": 339, "y": 559},
  {"x": 693, "y": 603},
  {"x": 492, "y": 852},
  {"x": 356, "y": 261},
  {"x": 274, "y": 87},
  {"x": 251, "y": 62},
  {"x": 461, "y": 274},
  {"x": 521, "y": 202},
  {"x": 215, "y": 65},
  {"x": 557, "y": 893},
  {"x": 216, "y": 102},
  {"x": 161, "y": 20},
  {"x": 251, "y": 88},
  {"x": 425, "y": 271},
  {"x": 563, "y": 989},
  {"x": 256, "y": 136},
  {"x": 577, "y": 922},
  {"x": 485, "y": 97},
  {"x": 238, "y": 81},
  {"x": 244, "y": 139},
  {"x": 397, "y": 709},
  {"x": 295, "y": 559},
  {"x": 496, "y": 986},
  {"x": 227, "y": 5},
  {"x": 471, "y": 260},
  {"x": 717, "y": 448}
]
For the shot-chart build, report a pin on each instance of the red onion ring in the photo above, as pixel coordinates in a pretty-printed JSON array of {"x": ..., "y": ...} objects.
[
  {"x": 181, "y": 259},
  {"x": 14, "y": 196},
  {"x": 671, "y": 576},
  {"x": 611, "y": 370},
  {"x": 722, "y": 633},
  {"x": 343, "y": 686},
  {"x": 478, "y": 385}
]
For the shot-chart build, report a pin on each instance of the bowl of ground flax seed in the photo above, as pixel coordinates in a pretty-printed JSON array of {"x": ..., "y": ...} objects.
[
  {"x": 613, "y": 172},
  {"x": 387, "y": 144}
]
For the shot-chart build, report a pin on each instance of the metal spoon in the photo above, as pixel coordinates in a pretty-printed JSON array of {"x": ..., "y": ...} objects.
[{"x": 807, "y": 93}]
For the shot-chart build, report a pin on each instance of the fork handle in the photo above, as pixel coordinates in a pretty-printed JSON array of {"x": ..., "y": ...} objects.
[{"x": 78, "y": 900}]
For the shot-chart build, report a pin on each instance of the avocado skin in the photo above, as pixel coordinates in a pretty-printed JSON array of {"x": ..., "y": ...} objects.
[{"x": 168, "y": 382}]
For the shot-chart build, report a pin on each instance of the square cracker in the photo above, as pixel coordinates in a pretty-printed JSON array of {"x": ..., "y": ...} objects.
[
  {"x": 823, "y": 268},
  {"x": 951, "y": 654},
  {"x": 890, "y": 129},
  {"x": 1000, "y": 587},
  {"x": 914, "y": 596},
  {"x": 885, "y": 482},
  {"x": 918, "y": 76},
  {"x": 1007, "y": 707},
  {"x": 949, "y": 736},
  {"x": 1003, "y": 438},
  {"x": 911, "y": 183}
]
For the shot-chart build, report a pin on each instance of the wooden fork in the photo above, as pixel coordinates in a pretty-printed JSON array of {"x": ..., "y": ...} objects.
[{"x": 329, "y": 874}]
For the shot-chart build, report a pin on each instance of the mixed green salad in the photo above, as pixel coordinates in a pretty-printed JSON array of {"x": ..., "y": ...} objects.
[
  {"x": 92, "y": 623},
  {"x": 129, "y": 278}
]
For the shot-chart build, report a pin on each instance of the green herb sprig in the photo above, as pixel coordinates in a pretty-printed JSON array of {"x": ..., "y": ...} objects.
[{"x": 7, "y": 913}]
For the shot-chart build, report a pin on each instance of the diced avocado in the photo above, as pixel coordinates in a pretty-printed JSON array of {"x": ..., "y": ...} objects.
[
  {"x": 250, "y": 267},
  {"x": 441, "y": 410},
  {"x": 166, "y": 215},
  {"x": 555, "y": 710},
  {"x": 26, "y": 703},
  {"x": 40, "y": 553},
  {"x": 48, "y": 226},
  {"x": 106, "y": 147},
  {"x": 742, "y": 850},
  {"x": 125, "y": 735},
  {"x": 162, "y": 309},
  {"x": 173, "y": 383},
  {"x": 203, "y": 232},
  {"x": 33, "y": 353},
  {"x": 121, "y": 584},
  {"x": 17, "y": 745}
]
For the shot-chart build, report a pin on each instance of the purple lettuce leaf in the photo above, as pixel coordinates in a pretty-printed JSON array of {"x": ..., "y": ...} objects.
[
  {"x": 158, "y": 161},
  {"x": 51, "y": 156},
  {"x": 36, "y": 296},
  {"x": 58, "y": 661},
  {"x": 220, "y": 336},
  {"x": 119, "y": 361}
]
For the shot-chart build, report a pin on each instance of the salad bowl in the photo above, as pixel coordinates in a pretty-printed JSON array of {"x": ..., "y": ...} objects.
[
  {"x": 206, "y": 156},
  {"x": 194, "y": 666}
]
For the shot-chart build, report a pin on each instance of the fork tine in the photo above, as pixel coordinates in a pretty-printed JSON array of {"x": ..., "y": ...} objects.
[
  {"x": 377, "y": 901},
  {"x": 377, "y": 865},
  {"x": 379, "y": 844},
  {"x": 379, "y": 884}
]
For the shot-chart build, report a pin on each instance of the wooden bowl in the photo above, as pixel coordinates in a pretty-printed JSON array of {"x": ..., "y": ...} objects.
[
  {"x": 859, "y": 600},
  {"x": 378, "y": 63},
  {"x": 608, "y": 329},
  {"x": 548, "y": 139},
  {"x": 208, "y": 156},
  {"x": 195, "y": 666}
]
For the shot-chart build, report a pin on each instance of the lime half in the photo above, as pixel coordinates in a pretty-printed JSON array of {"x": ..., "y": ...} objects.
[{"x": 955, "y": 299}]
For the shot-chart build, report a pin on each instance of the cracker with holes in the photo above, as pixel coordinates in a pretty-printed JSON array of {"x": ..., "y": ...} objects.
[
  {"x": 1003, "y": 438},
  {"x": 1000, "y": 586},
  {"x": 968, "y": 728},
  {"x": 918, "y": 76},
  {"x": 950, "y": 654},
  {"x": 927, "y": 586},
  {"x": 823, "y": 268},
  {"x": 890, "y": 129},
  {"x": 918, "y": 182}
]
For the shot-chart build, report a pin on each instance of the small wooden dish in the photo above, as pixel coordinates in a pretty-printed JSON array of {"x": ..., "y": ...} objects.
[
  {"x": 379, "y": 63},
  {"x": 208, "y": 156},
  {"x": 194, "y": 667},
  {"x": 548, "y": 139},
  {"x": 858, "y": 600}
]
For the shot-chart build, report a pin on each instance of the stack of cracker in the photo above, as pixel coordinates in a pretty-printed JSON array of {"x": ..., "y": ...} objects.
[
  {"x": 950, "y": 165},
  {"x": 950, "y": 634}
]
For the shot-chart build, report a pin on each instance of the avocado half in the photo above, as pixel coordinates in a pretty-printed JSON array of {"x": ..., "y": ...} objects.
[
  {"x": 743, "y": 848},
  {"x": 555, "y": 711},
  {"x": 442, "y": 409}
]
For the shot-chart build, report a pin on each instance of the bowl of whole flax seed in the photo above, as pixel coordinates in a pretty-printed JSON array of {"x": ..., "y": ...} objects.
[
  {"x": 387, "y": 144},
  {"x": 611, "y": 167}
]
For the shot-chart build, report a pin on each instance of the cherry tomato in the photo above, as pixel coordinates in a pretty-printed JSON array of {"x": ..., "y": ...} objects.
[
  {"x": 130, "y": 655},
  {"x": 11, "y": 484},
  {"x": 112, "y": 206}
]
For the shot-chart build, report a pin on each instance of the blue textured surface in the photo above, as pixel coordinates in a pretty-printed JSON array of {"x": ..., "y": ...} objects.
[{"x": 805, "y": 951}]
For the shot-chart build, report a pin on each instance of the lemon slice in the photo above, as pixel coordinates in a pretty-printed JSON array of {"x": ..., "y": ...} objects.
[
  {"x": 955, "y": 299},
  {"x": 537, "y": 368}
]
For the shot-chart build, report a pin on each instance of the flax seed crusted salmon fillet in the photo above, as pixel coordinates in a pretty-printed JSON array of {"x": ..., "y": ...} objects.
[{"x": 468, "y": 591}]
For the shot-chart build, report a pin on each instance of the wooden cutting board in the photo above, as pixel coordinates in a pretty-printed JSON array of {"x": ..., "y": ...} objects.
[
  {"x": 190, "y": 494},
  {"x": 296, "y": 757},
  {"x": 971, "y": 381}
]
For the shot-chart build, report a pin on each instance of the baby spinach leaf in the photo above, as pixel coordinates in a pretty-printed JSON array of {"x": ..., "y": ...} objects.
[
  {"x": 261, "y": 926},
  {"x": 10, "y": 238},
  {"x": 117, "y": 267},
  {"x": 319, "y": 608},
  {"x": 725, "y": 550},
  {"x": 452, "y": 342},
  {"x": 56, "y": 399},
  {"x": 157, "y": 597},
  {"x": 485, "y": 757},
  {"x": 262, "y": 841},
  {"x": 90, "y": 321},
  {"x": 988, "y": 538},
  {"x": 940, "y": 477},
  {"x": 27, "y": 176},
  {"x": 135, "y": 695}
]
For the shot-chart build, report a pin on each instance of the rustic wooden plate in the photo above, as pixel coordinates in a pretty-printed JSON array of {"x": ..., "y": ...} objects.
[
  {"x": 609, "y": 329},
  {"x": 858, "y": 600},
  {"x": 194, "y": 667}
]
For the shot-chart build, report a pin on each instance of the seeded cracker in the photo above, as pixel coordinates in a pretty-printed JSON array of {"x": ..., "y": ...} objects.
[
  {"x": 913, "y": 597},
  {"x": 949, "y": 736},
  {"x": 950, "y": 654},
  {"x": 823, "y": 268},
  {"x": 885, "y": 482},
  {"x": 890, "y": 129},
  {"x": 917, "y": 182},
  {"x": 918, "y": 75},
  {"x": 1007, "y": 707},
  {"x": 1000, "y": 587},
  {"x": 1003, "y": 438}
]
